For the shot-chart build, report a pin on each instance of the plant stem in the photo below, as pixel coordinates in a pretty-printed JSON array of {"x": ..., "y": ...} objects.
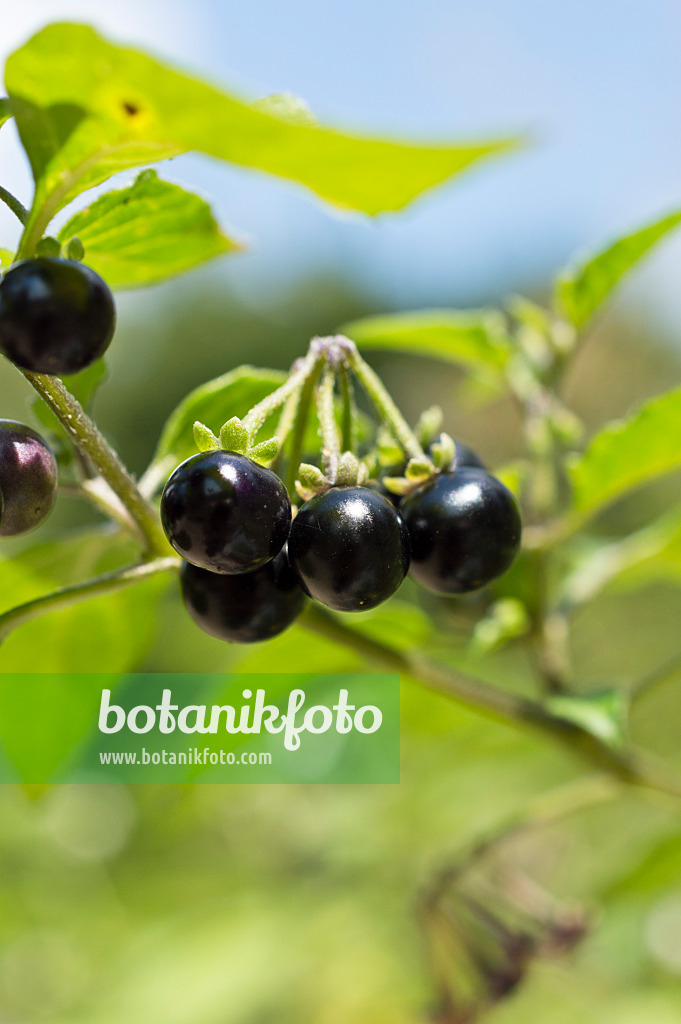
[
  {"x": 385, "y": 407},
  {"x": 295, "y": 452},
  {"x": 255, "y": 418},
  {"x": 628, "y": 765},
  {"x": 92, "y": 444},
  {"x": 326, "y": 411},
  {"x": 349, "y": 421},
  {"x": 13, "y": 203},
  {"x": 99, "y": 494},
  {"x": 66, "y": 597}
]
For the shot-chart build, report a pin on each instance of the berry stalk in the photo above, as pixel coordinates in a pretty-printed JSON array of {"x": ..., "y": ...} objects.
[
  {"x": 254, "y": 419},
  {"x": 331, "y": 443},
  {"x": 66, "y": 597},
  {"x": 385, "y": 406},
  {"x": 94, "y": 446}
]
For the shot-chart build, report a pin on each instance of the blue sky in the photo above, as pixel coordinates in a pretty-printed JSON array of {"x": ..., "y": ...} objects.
[{"x": 596, "y": 84}]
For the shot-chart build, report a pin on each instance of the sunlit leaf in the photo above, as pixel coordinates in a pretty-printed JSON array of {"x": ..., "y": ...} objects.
[
  {"x": 86, "y": 108},
  {"x": 476, "y": 339},
  {"x": 147, "y": 232},
  {"x": 113, "y": 631},
  {"x": 213, "y": 404},
  {"x": 628, "y": 453},
  {"x": 582, "y": 289},
  {"x": 5, "y": 111}
]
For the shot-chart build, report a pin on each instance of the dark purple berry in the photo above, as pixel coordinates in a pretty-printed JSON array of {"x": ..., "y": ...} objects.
[
  {"x": 245, "y": 608},
  {"x": 350, "y": 548},
  {"x": 223, "y": 512},
  {"x": 28, "y": 478},
  {"x": 56, "y": 316},
  {"x": 464, "y": 529}
]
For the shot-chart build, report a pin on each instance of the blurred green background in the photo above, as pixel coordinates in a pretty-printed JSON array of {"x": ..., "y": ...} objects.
[{"x": 261, "y": 905}]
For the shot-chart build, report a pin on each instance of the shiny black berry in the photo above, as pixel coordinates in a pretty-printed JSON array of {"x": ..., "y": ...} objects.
[
  {"x": 223, "y": 512},
  {"x": 245, "y": 608},
  {"x": 464, "y": 529},
  {"x": 56, "y": 316},
  {"x": 350, "y": 548},
  {"x": 28, "y": 478}
]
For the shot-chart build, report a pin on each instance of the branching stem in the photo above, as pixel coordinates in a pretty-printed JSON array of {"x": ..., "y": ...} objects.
[
  {"x": 93, "y": 445},
  {"x": 98, "y": 586}
]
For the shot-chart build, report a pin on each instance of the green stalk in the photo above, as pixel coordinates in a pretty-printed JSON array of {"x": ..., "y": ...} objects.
[
  {"x": 66, "y": 597},
  {"x": 630, "y": 766},
  {"x": 349, "y": 421},
  {"x": 92, "y": 444},
  {"x": 17, "y": 208},
  {"x": 295, "y": 452},
  {"x": 254, "y": 419},
  {"x": 326, "y": 411},
  {"x": 385, "y": 407}
]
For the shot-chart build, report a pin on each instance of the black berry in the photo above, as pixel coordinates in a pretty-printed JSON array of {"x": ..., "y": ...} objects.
[
  {"x": 464, "y": 529},
  {"x": 56, "y": 316},
  {"x": 223, "y": 512},
  {"x": 245, "y": 608},
  {"x": 28, "y": 478},
  {"x": 350, "y": 548}
]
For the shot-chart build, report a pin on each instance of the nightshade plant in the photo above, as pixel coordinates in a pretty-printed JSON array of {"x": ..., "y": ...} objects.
[{"x": 86, "y": 109}]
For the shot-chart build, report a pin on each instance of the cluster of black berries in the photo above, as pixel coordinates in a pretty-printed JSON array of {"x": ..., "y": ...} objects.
[
  {"x": 248, "y": 565},
  {"x": 56, "y": 316}
]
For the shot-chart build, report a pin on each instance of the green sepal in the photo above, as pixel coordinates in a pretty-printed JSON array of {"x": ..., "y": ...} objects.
[
  {"x": 443, "y": 452},
  {"x": 429, "y": 425},
  {"x": 48, "y": 246},
  {"x": 398, "y": 485},
  {"x": 419, "y": 470},
  {"x": 205, "y": 439},
  {"x": 311, "y": 481},
  {"x": 351, "y": 472},
  {"x": 74, "y": 250},
  {"x": 234, "y": 436},
  {"x": 264, "y": 452}
]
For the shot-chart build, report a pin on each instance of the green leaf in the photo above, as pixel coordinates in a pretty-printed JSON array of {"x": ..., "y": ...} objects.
[
  {"x": 628, "y": 453},
  {"x": 6, "y": 258},
  {"x": 113, "y": 631},
  {"x": 86, "y": 108},
  {"x": 146, "y": 233},
  {"x": 476, "y": 339},
  {"x": 213, "y": 403},
  {"x": 582, "y": 289},
  {"x": 5, "y": 111},
  {"x": 603, "y": 714}
]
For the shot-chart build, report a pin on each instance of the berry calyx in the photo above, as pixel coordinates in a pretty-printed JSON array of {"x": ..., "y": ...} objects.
[
  {"x": 246, "y": 608},
  {"x": 350, "y": 548},
  {"x": 28, "y": 478},
  {"x": 464, "y": 529},
  {"x": 57, "y": 316},
  {"x": 222, "y": 512}
]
